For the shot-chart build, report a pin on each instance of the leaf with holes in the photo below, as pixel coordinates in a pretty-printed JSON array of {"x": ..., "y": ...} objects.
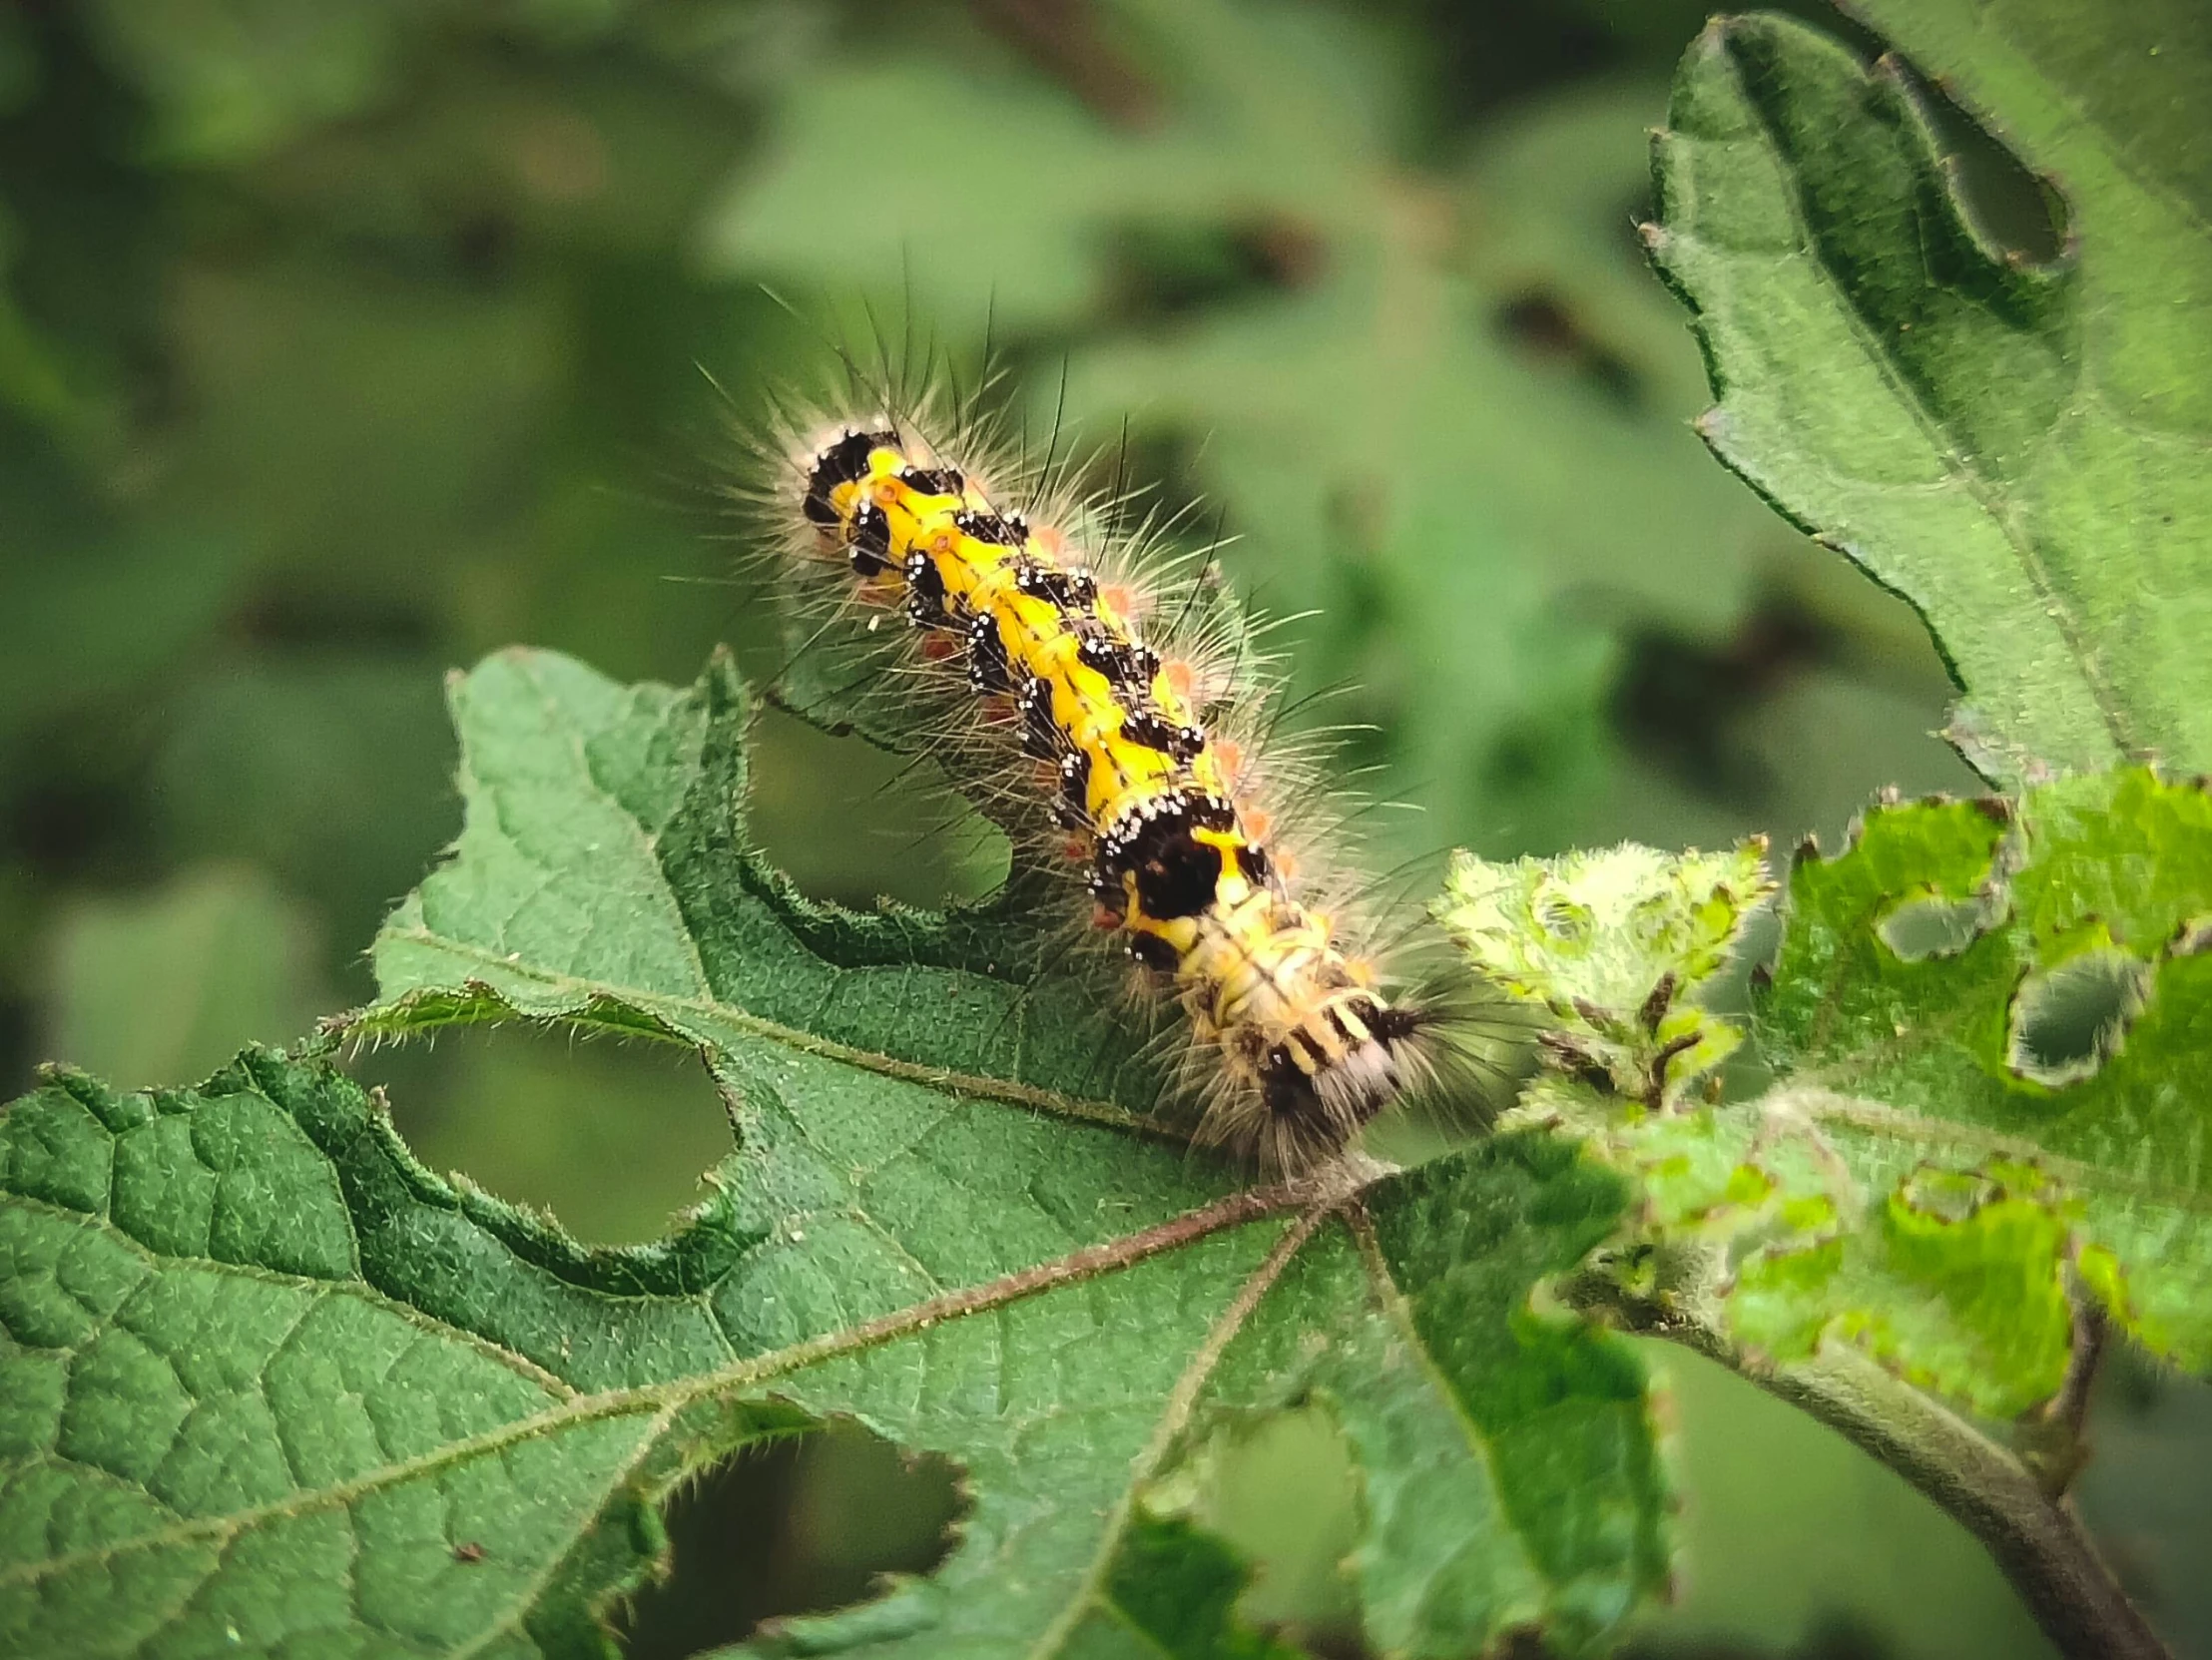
[
  {"x": 1986, "y": 1028},
  {"x": 2020, "y": 444},
  {"x": 2059, "y": 1047},
  {"x": 266, "y": 1382}
]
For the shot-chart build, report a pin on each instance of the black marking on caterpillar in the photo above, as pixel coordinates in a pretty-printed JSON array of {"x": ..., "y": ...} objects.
[{"x": 1151, "y": 776}]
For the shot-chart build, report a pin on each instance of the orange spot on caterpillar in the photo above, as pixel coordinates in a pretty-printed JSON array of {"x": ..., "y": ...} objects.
[
  {"x": 1285, "y": 864},
  {"x": 1104, "y": 920},
  {"x": 1118, "y": 599},
  {"x": 1077, "y": 847},
  {"x": 937, "y": 647},
  {"x": 1051, "y": 540},
  {"x": 1259, "y": 825},
  {"x": 1178, "y": 676},
  {"x": 1230, "y": 756}
]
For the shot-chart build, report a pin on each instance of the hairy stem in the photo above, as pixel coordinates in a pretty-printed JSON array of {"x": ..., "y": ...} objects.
[{"x": 2036, "y": 1537}]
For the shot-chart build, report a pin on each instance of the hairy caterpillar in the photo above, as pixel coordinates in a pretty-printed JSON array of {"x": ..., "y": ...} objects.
[{"x": 1035, "y": 651}]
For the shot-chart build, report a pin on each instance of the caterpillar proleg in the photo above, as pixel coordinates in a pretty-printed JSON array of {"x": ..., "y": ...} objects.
[{"x": 1046, "y": 656}]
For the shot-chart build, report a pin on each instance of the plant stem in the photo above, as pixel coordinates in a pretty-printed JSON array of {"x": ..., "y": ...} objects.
[{"x": 2036, "y": 1537}]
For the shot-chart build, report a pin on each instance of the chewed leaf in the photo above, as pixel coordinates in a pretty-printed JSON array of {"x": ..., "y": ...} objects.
[
  {"x": 1953, "y": 1135},
  {"x": 1604, "y": 928},
  {"x": 2014, "y": 442},
  {"x": 1953, "y": 1276},
  {"x": 1615, "y": 946},
  {"x": 250, "y": 1337},
  {"x": 2070, "y": 1019},
  {"x": 602, "y": 866},
  {"x": 2065, "y": 1032},
  {"x": 946, "y": 1219},
  {"x": 1927, "y": 925}
]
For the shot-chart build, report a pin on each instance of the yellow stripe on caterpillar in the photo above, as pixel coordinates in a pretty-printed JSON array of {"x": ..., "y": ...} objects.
[{"x": 1294, "y": 1046}]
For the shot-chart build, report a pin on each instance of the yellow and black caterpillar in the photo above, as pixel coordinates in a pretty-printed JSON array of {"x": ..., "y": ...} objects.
[{"x": 1295, "y": 1044}]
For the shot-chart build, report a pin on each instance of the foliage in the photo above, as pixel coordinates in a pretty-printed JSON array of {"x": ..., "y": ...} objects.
[
  {"x": 938, "y": 1221},
  {"x": 2012, "y": 439},
  {"x": 267, "y": 1382},
  {"x": 1916, "y": 1178},
  {"x": 161, "y": 986}
]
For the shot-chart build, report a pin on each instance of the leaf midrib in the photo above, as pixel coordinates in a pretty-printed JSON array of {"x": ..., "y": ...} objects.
[
  {"x": 1090, "y": 1262},
  {"x": 1175, "y": 1416}
]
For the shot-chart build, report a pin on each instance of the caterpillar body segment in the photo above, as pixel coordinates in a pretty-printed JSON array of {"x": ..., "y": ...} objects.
[{"x": 1294, "y": 1046}]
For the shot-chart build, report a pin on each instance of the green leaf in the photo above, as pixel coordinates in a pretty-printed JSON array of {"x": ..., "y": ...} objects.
[
  {"x": 2017, "y": 445},
  {"x": 1177, "y": 1588},
  {"x": 254, "y": 1348},
  {"x": 256, "y": 1354},
  {"x": 1618, "y": 949},
  {"x": 601, "y": 875},
  {"x": 1952, "y": 1047},
  {"x": 1964, "y": 1115}
]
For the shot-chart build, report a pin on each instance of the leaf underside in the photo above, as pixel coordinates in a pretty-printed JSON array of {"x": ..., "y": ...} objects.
[
  {"x": 2023, "y": 447},
  {"x": 267, "y": 1382}
]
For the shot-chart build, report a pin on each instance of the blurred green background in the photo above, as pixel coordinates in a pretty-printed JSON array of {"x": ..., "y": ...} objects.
[{"x": 341, "y": 344}]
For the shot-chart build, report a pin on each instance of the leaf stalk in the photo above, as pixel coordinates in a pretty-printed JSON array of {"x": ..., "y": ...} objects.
[{"x": 2035, "y": 1536}]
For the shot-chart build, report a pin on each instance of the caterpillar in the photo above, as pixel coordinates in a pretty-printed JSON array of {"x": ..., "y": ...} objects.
[{"x": 1034, "y": 648}]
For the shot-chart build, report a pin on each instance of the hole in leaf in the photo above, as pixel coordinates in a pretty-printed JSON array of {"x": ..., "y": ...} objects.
[
  {"x": 1281, "y": 1492},
  {"x": 2008, "y": 206},
  {"x": 791, "y": 1527},
  {"x": 2070, "y": 1020},
  {"x": 848, "y": 822},
  {"x": 1932, "y": 926},
  {"x": 610, "y": 1135}
]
